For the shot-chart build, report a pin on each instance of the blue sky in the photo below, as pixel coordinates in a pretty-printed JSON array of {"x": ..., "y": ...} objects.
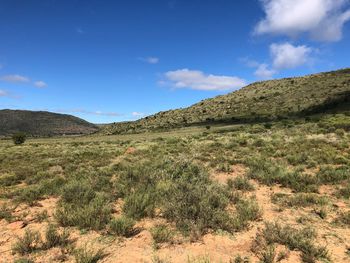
[{"x": 109, "y": 61}]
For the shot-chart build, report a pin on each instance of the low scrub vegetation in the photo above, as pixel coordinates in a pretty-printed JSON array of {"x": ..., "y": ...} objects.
[{"x": 220, "y": 181}]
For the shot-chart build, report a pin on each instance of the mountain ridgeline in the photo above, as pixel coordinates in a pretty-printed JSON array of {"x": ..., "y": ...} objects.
[
  {"x": 260, "y": 101},
  {"x": 42, "y": 124}
]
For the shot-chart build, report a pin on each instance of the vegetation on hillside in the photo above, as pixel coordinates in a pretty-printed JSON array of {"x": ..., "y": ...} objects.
[
  {"x": 258, "y": 102},
  {"x": 40, "y": 123}
]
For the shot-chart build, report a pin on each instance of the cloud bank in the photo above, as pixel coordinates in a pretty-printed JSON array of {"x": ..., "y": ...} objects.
[
  {"x": 288, "y": 56},
  {"x": 15, "y": 79},
  {"x": 322, "y": 20},
  {"x": 197, "y": 80}
]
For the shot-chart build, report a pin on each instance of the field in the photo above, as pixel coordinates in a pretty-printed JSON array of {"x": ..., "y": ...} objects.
[{"x": 269, "y": 192}]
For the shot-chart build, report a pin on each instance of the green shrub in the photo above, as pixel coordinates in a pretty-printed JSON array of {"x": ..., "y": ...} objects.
[
  {"x": 344, "y": 219},
  {"x": 162, "y": 234},
  {"x": 19, "y": 138},
  {"x": 330, "y": 175},
  {"x": 6, "y": 213},
  {"x": 10, "y": 179},
  {"x": 140, "y": 204},
  {"x": 299, "y": 200},
  {"x": 88, "y": 255},
  {"x": 54, "y": 239},
  {"x": 241, "y": 183},
  {"x": 24, "y": 260},
  {"x": 122, "y": 226},
  {"x": 29, "y": 195},
  {"x": 239, "y": 259},
  {"x": 93, "y": 215},
  {"x": 78, "y": 193},
  {"x": 268, "y": 255},
  {"x": 30, "y": 242},
  {"x": 246, "y": 211},
  {"x": 194, "y": 202},
  {"x": 294, "y": 239},
  {"x": 344, "y": 191},
  {"x": 269, "y": 173}
]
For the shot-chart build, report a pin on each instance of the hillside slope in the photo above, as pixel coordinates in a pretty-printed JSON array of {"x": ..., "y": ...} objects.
[
  {"x": 41, "y": 123},
  {"x": 259, "y": 101}
]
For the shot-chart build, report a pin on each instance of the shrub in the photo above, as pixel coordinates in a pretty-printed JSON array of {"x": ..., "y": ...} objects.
[
  {"x": 294, "y": 239},
  {"x": 30, "y": 242},
  {"x": 194, "y": 202},
  {"x": 29, "y": 195},
  {"x": 344, "y": 191},
  {"x": 239, "y": 259},
  {"x": 6, "y": 213},
  {"x": 88, "y": 255},
  {"x": 140, "y": 204},
  {"x": 122, "y": 226},
  {"x": 246, "y": 211},
  {"x": 330, "y": 175},
  {"x": 241, "y": 183},
  {"x": 162, "y": 234},
  {"x": 344, "y": 219},
  {"x": 54, "y": 239},
  {"x": 19, "y": 138},
  {"x": 93, "y": 215},
  {"x": 268, "y": 255},
  {"x": 269, "y": 173},
  {"x": 24, "y": 260},
  {"x": 301, "y": 200}
]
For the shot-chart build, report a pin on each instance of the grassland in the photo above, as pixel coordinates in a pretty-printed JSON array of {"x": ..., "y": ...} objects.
[{"x": 269, "y": 192}]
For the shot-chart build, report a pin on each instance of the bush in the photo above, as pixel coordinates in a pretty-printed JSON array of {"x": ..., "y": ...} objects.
[
  {"x": 162, "y": 234},
  {"x": 299, "y": 200},
  {"x": 246, "y": 211},
  {"x": 140, "y": 204},
  {"x": 23, "y": 260},
  {"x": 344, "y": 191},
  {"x": 30, "y": 242},
  {"x": 294, "y": 239},
  {"x": 19, "y": 138},
  {"x": 88, "y": 255},
  {"x": 344, "y": 219},
  {"x": 194, "y": 202},
  {"x": 122, "y": 226},
  {"x": 6, "y": 213},
  {"x": 240, "y": 183},
  {"x": 93, "y": 215},
  {"x": 54, "y": 238}
]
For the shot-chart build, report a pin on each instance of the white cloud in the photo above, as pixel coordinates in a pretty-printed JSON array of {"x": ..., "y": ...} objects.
[
  {"x": 15, "y": 79},
  {"x": 83, "y": 111},
  {"x": 3, "y": 93},
  {"x": 150, "y": 60},
  {"x": 197, "y": 80},
  {"x": 40, "y": 84},
  {"x": 137, "y": 114},
  {"x": 287, "y": 56},
  {"x": 322, "y": 19},
  {"x": 264, "y": 72}
]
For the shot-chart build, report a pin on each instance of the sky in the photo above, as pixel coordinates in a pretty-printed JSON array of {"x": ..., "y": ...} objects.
[{"x": 108, "y": 61}]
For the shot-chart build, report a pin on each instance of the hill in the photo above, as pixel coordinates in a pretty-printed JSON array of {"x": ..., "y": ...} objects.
[
  {"x": 42, "y": 123},
  {"x": 260, "y": 101}
]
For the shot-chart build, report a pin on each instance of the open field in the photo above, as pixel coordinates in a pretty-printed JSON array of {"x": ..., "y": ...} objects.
[{"x": 272, "y": 192}]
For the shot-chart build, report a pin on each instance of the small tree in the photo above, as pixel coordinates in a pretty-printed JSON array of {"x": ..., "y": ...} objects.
[{"x": 19, "y": 138}]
